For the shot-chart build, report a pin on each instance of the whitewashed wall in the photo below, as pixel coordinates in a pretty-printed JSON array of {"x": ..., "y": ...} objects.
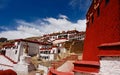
[
  {"x": 12, "y": 54},
  {"x": 54, "y": 50},
  {"x": 5, "y": 63},
  {"x": 40, "y": 67},
  {"x": 21, "y": 69},
  {"x": 3, "y": 67},
  {"x": 110, "y": 66},
  {"x": 63, "y": 50}
]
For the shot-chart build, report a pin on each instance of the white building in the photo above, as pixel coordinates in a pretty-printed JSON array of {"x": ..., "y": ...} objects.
[
  {"x": 70, "y": 35},
  {"x": 16, "y": 55},
  {"x": 44, "y": 68},
  {"x": 48, "y": 53},
  {"x": 20, "y": 47}
]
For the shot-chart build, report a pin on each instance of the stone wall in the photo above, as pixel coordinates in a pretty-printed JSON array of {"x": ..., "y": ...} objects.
[{"x": 110, "y": 66}]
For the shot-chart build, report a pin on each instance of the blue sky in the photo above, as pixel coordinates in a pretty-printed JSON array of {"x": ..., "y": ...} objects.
[{"x": 26, "y": 18}]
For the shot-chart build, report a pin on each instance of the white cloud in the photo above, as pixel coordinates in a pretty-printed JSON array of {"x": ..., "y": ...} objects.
[
  {"x": 63, "y": 16},
  {"x": 15, "y": 34},
  {"x": 29, "y": 30},
  {"x": 44, "y": 26}
]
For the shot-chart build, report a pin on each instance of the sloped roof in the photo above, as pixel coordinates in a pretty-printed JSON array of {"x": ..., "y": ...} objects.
[
  {"x": 8, "y": 45},
  {"x": 27, "y": 40},
  {"x": 6, "y": 61}
]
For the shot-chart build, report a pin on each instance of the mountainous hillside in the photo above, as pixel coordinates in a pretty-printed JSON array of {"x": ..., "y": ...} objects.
[
  {"x": 75, "y": 46},
  {"x": 6, "y": 42}
]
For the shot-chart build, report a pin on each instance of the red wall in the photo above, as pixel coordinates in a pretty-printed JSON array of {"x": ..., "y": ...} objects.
[
  {"x": 7, "y": 72},
  {"x": 104, "y": 29}
]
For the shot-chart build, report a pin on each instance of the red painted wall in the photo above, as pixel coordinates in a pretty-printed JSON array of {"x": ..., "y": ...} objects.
[
  {"x": 104, "y": 29},
  {"x": 7, "y": 72}
]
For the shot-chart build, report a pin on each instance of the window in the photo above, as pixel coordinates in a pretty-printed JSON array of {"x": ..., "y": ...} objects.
[
  {"x": 107, "y": 1},
  {"x": 49, "y": 52},
  {"x": 98, "y": 11},
  {"x": 53, "y": 51},
  {"x": 47, "y": 57},
  {"x": 92, "y": 18},
  {"x": 45, "y": 52},
  {"x": 18, "y": 43},
  {"x": 16, "y": 52},
  {"x": 58, "y": 50},
  {"x": 88, "y": 24}
]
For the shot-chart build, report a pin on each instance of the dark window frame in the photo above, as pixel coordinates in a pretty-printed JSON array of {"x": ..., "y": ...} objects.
[
  {"x": 107, "y": 1},
  {"x": 92, "y": 18},
  {"x": 98, "y": 11},
  {"x": 15, "y": 51}
]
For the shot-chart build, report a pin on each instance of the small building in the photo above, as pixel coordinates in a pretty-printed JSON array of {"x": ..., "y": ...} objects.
[
  {"x": 48, "y": 53},
  {"x": 19, "y": 47},
  {"x": 70, "y": 35},
  {"x": 17, "y": 56}
]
